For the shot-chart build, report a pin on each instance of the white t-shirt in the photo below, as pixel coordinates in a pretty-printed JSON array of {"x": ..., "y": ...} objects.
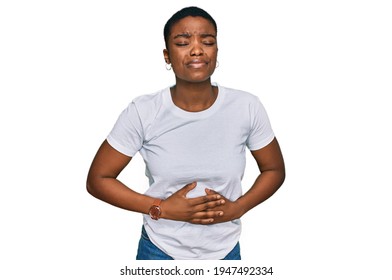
[{"x": 181, "y": 147}]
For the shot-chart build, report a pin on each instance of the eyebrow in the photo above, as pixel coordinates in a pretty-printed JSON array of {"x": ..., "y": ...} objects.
[
  {"x": 188, "y": 35},
  {"x": 204, "y": 35},
  {"x": 182, "y": 35}
]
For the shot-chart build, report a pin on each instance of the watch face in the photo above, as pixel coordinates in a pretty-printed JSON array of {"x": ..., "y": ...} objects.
[{"x": 155, "y": 212}]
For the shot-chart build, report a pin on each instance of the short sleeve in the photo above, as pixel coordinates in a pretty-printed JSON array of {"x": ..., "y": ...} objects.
[
  {"x": 261, "y": 133},
  {"x": 127, "y": 133}
]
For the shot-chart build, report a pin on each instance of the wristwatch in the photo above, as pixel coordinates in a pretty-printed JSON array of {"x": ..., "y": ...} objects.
[{"x": 155, "y": 210}]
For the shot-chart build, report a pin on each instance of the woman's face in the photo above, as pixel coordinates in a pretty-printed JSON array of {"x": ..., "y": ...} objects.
[{"x": 192, "y": 49}]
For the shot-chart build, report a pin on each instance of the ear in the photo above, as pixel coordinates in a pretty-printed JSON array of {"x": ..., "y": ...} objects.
[{"x": 166, "y": 56}]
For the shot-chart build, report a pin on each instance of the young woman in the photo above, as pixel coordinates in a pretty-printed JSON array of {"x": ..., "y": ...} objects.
[{"x": 193, "y": 138}]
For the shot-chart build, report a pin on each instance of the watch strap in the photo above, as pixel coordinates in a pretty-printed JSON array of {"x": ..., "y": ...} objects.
[{"x": 157, "y": 202}]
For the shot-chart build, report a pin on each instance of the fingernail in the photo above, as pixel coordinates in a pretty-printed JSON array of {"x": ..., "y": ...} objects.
[
  {"x": 222, "y": 201},
  {"x": 220, "y": 213},
  {"x": 218, "y": 196}
]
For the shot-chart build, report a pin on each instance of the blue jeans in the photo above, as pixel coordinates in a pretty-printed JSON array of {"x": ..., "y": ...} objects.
[{"x": 148, "y": 251}]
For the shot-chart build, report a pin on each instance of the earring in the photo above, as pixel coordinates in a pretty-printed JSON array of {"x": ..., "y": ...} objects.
[
  {"x": 168, "y": 66},
  {"x": 217, "y": 64}
]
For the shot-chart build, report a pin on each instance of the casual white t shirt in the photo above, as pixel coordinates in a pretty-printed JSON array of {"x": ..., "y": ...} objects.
[{"x": 181, "y": 147}]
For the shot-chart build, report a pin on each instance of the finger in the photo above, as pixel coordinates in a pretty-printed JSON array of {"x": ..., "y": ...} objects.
[
  {"x": 204, "y": 199},
  {"x": 202, "y": 221},
  {"x": 187, "y": 188},
  {"x": 209, "y": 205},
  {"x": 210, "y": 191},
  {"x": 205, "y": 215},
  {"x": 206, "y": 218}
]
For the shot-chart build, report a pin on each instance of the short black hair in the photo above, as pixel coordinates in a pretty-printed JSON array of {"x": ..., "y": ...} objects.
[{"x": 185, "y": 12}]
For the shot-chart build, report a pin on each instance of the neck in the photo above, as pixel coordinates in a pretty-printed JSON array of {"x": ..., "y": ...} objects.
[{"x": 194, "y": 97}]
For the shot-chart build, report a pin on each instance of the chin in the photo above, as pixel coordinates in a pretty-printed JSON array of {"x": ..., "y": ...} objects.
[
  {"x": 197, "y": 78},
  {"x": 201, "y": 80}
]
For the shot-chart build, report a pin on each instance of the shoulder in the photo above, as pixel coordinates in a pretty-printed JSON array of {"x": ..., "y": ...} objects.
[
  {"x": 148, "y": 105},
  {"x": 239, "y": 96},
  {"x": 149, "y": 100}
]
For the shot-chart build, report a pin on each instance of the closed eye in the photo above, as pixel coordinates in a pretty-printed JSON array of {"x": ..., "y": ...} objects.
[
  {"x": 209, "y": 43},
  {"x": 181, "y": 44}
]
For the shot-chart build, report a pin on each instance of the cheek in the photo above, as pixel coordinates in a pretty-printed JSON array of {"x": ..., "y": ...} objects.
[
  {"x": 176, "y": 65},
  {"x": 213, "y": 58},
  {"x": 213, "y": 54},
  {"x": 176, "y": 58}
]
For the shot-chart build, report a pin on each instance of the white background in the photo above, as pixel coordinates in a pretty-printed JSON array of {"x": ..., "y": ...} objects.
[{"x": 321, "y": 68}]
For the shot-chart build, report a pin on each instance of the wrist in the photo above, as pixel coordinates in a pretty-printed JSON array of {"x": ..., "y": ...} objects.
[
  {"x": 239, "y": 209},
  {"x": 164, "y": 210}
]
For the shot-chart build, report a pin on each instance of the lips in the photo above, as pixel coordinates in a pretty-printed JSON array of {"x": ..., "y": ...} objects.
[{"x": 197, "y": 63}]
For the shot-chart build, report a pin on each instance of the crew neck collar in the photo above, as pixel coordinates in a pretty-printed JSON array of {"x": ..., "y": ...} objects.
[{"x": 194, "y": 115}]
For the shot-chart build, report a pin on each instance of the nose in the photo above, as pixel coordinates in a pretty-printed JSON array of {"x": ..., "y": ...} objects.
[{"x": 196, "y": 49}]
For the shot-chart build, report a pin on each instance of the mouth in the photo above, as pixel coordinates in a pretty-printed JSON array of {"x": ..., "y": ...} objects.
[{"x": 197, "y": 63}]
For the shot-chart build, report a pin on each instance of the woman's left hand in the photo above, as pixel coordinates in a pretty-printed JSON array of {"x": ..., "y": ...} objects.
[{"x": 230, "y": 209}]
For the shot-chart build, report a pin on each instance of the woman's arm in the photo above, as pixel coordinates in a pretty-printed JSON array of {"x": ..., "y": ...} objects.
[
  {"x": 272, "y": 174},
  {"x": 103, "y": 184}
]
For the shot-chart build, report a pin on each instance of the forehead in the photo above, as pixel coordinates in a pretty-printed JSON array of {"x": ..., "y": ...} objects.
[{"x": 193, "y": 25}]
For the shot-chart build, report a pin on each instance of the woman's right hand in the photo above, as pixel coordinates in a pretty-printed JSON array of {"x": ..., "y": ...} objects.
[{"x": 198, "y": 210}]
